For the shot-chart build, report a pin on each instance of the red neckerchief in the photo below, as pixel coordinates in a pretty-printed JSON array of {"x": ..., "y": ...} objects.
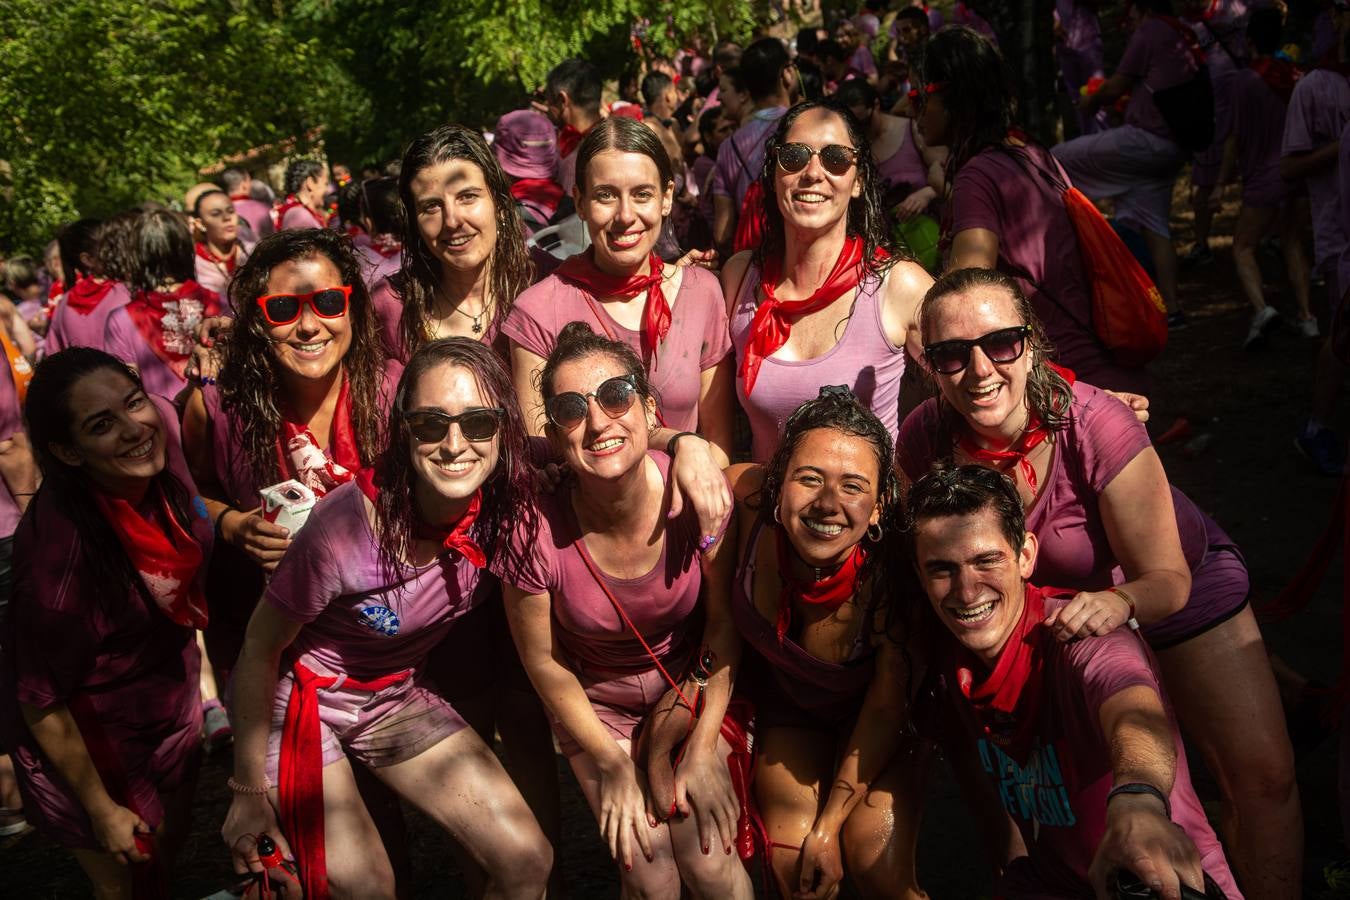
[
  {"x": 568, "y": 139},
  {"x": 386, "y": 245},
  {"x": 168, "y": 320},
  {"x": 581, "y": 271},
  {"x": 455, "y": 537},
  {"x": 55, "y": 289},
  {"x": 545, "y": 192},
  {"x": 291, "y": 203},
  {"x": 771, "y": 327},
  {"x": 209, "y": 255},
  {"x": 1187, "y": 36},
  {"x": 831, "y": 592},
  {"x": 166, "y": 562},
  {"x": 234, "y": 197},
  {"x": 1008, "y": 698},
  {"x": 299, "y": 455},
  {"x": 87, "y": 294},
  {"x": 1280, "y": 75},
  {"x": 1032, "y": 437}
]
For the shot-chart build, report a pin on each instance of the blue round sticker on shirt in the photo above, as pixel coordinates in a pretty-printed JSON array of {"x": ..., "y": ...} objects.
[
  {"x": 199, "y": 507},
  {"x": 381, "y": 619}
]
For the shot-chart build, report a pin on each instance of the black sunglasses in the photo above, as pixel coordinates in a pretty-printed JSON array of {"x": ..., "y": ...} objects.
[
  {"x": 430, "y": 427},
  {"x": 614, "y": 395},
  {"x": 835, "y": 158},
  {"x": 1003, "y": 346}
]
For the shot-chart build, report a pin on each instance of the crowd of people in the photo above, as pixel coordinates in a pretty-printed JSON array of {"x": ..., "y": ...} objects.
[{"x": 751, "y": 440}]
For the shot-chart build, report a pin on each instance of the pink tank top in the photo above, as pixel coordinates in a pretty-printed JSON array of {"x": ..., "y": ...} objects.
[
  {"x": 864, "y": 360},
  {"x": 905, "y": 166}
]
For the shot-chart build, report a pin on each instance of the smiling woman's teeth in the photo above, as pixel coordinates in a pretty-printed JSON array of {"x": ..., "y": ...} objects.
[
  {"x": 455, "y": 467},
  {"x": 140, "y": 451},
  {"x": 607, "y": 444},
  {"x": 311, "y": 348},
  {"x": 809, "y": 197},
  {"x": 982, "y": 393},
  {"x": 974, "y": 613},
  {"x": 826, "y": 528},
  {"x": 460, "y": 241}
]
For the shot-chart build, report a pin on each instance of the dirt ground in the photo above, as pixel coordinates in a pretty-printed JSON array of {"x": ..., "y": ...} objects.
[{"x": 1248, "y": 477}]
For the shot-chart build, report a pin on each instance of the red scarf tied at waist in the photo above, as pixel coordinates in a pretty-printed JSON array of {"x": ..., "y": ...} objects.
[
  {"x": 1018, "y": 451},
  {"x": 301, "y": 771},
  {"x": 168, "y": 320},
  {"x": 168, "y": 561},
  {"x": 831, "y": 592},
  {"x": 771, "y": 327},
  {"x": 454, "y": 536},
  {"x": 580, "y": 270},
  {"x": 87, "y": 294},
  {"x": 299, "y": 455},
  {"x": 206, "y": 253}
]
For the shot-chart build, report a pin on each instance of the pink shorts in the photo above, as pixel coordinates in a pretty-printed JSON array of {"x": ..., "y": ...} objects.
[
  {"x": 620, "y": 701},
  {"x": 379, "y": 729}
]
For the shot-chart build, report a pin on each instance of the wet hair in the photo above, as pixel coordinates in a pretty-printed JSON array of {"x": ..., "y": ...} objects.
[
  {"x": 653, "y": 86},
  {"x": 856, "y": 92},
  {"x": 508, "y": 492},
  {"x": 577, "y": 341},
  {"x": 866, "y": 215},
  {"x": 49, "y": 420},
  {"x": 510, "y": 270},
  {"x": 1265, "y": 29},
  {"x": 163, "y": 250},
  {"x": 966, "y": 491},
  {"x": 627, "y": 136},
  {"x": 977, "y": 92},
  {"x": 298, "y": 172},
  {"x": 252, "y": 390},
  {"x": 233, "y": 179},
  {"x": 380, "y": 203},
  {"x": 81, "y": 236},
  {"x": 117, "y": 253},
  {"x": 761, "y": 65},
  {"x": 197, "y": 204},
  {"x": 579, "y": 79},
  {"x": 1048, "y": 394}
]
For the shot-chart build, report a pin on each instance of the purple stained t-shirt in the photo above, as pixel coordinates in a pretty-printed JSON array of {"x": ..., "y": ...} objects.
[
  {"x": 358, "y": 619},
  {"x": 1258, "y": 128},
  {"x": 1318, "y": 111},
  {"x": 1000, "y": 191},
  {"x": 740, "y": 159},
  {"x": 72, "y": 329},
  {"x": 1055, "y": 789},
  {"x": 123, "y": 340},
  {"x": 1160, "y": 58},
  {"x": 698, "y": 338}
]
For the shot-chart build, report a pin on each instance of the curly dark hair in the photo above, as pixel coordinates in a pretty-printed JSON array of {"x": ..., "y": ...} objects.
[
  {"x": 49, "y": 420},
  {"x": 510, "y": 270},
  {"x": 251, "y": 380},
  {"x": 977, "y": 92},
  {"x": 298, "y": 171},
  {"x": 578, "y": 341},
  {"x": 963, "y": 491},
  {"x": 508, "y": 493},
  {"x": 866, "y": 215},
  {"x": 116, "y": 247},
  {"x": 1048, "y": 394}
]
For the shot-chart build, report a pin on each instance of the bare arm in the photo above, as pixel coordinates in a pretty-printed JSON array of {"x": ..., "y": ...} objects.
[
  {"x": 525, "y": 369},
  {"x": 906, "y": 284},
  {"x": 716, "y": 404},
  {"x": 974, "y": 248},
  {"x": 1115, "y": 87},
  {"x": 1297, "y": 166}
]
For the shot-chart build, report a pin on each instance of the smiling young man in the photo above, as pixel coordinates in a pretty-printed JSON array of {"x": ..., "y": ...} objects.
[{"x": 1076, "y": 739}]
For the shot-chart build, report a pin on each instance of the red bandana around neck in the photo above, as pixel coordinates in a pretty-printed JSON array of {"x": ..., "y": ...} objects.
[
  {"x": 290, "y": 203},
  {"x": 87, "y": 294},
  {"x": 168, "y": 320},
  {"x": 580, "y": 270},
  {"x": 771, "y": 327},
  {"x": 1016, "y": 452},
  {"x": 546, "y": 192},
  {"x": 166, "y": 562},
  {"x": 206, "y": 253},
  {"x": 299, "y": 455},
  {"x": 568, "y": 139},
  {"x": 386, "y": 245},
  {"x": 452, "y": 537},
  {"x": 831, "y": 592},
  {"x": 1280, "y": 75}
]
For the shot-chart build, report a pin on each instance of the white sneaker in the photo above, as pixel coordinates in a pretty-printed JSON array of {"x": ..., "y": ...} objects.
[
  {"x": 1263, "y": 323},
  {"x": 1308, "y": 328}
]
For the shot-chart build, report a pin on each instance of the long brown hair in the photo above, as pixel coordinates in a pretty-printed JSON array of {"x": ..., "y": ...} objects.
[
  {"x": 510, "y": 270},
  {"x": 250, "y": 378}
]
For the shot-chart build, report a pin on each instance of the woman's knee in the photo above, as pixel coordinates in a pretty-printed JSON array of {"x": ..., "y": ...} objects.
[
  {"x": 656, "y": 880},
  {"x": 369, "y": 876},
  {"x": 712, "y": 875},
  {"x": 522, "y": 863}
]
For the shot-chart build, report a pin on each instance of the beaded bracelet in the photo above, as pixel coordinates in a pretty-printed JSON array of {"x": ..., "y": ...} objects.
[{"x": 247, "y": 789}]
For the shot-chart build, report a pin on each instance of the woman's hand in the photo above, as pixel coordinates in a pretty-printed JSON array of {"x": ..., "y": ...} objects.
[
  {"x": 265, "y": 542},
  {"x": 697, "y": 477},
  {"x": 703, "y": 789},
  {"x": 915, "y": 204},
  {"x": 623, "y": 809},
  {"x": 705, "y": 258},
  {"x": 822, "y": 868},
  {"x": 251, "y": 815},
  {"x": 1089, "y": 614},
  {"x": 204, "y": 362},
  {"x": 1137, "y": 403},
  {"x": 116, "y": 828},
  {"x": 18, "y": 468}
]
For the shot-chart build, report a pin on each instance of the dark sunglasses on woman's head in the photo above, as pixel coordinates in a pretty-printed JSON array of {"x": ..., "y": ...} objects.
[
  {"x": 835, "y": 158},
  {"x": 430, "y": 427},
  {"x": 614, "y": 395},
  {"x": 327, "y": 303},
  {"x": 917, "y": 98},
  {"x": 1003, "y": 346}
]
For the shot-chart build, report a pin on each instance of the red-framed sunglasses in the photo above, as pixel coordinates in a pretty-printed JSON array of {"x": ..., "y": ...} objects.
[
  {"x": 917, "y": 97},
  {"x": 327, "y": 303}
]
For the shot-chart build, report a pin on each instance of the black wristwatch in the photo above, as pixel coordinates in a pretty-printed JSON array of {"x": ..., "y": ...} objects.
[{"x": 1139, "y": 787}]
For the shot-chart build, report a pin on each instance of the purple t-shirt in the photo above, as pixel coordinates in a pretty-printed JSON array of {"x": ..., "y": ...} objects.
[
  {"x": 862, "y": 62},
  {"x": 1055, "y": 789},
  {"x": 864, "y": 360},
  {"x": 999, "y": 191},
  {"x": 1102, "y": 437},
  {"x": 661, "y": 604},
  {"x": 11, "y": 422},
  {"x": 1160, "y": 58},
  {"x": 123, "y": 340},
  {"x": 1080, "y": 52},
  {"x": 1258, "y": 128},
  {"x": 1318, "y": 111},
  {"x": 356, "y": 621},
  {"x": 257, "y": 214},
  {"x": 697, "y": 339},
  {"x": 300, "y": 217},
  {"x": 700, "y": 175},
  {"x": 376, "y": 266},
  {"x": 740, "y": 159},
  {"x": 72, "y": 329}
]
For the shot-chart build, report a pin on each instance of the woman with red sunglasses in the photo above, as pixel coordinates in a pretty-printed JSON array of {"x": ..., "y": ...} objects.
[
  {"x": 384, "y": 568},
  {"x": 615, "y": 605},
  {"x": 824, "y": 299},
  {"x": 1148, "y": 558}
]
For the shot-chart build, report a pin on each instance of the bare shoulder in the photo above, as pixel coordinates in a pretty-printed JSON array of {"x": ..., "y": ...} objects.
[{"x": 733, "y": 274}]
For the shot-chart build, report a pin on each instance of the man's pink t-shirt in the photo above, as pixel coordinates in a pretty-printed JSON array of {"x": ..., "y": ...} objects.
[
  {"x": 1258, "y": 129},
  {"x": 1160, "y": 58},
  {"x": 1318, "y": 111},
  {"x": 123, "y": 340},
  {"x": 740, "y": 159},
  {"x": 73, "y": 329}
]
